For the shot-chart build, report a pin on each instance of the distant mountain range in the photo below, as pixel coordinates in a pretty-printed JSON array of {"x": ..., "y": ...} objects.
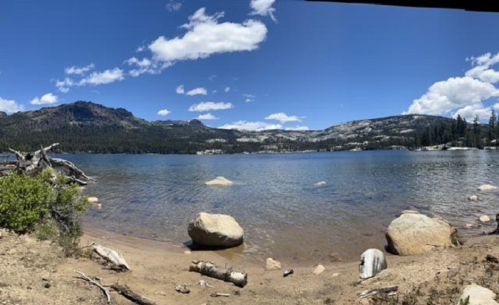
[{"x": 86, "y": 127}]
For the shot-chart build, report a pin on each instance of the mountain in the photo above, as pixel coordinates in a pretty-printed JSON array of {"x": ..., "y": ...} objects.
[{"x": 87, "y": 127}]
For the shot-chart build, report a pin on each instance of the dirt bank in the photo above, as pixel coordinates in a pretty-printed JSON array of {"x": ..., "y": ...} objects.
[{"x": 35, "y": 272}]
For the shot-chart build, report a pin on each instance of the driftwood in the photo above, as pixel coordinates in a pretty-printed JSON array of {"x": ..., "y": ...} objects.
[
  {"x": 228, "y": 275},
  {"x": 94, "y": 282},
  {"x": 220, "y": 294},
  {"x": 111, "y": 256},
  {"x": 388, "y": 291},
  {"x": 32, "y": 163},
  {"x": 125, "y": 291}
]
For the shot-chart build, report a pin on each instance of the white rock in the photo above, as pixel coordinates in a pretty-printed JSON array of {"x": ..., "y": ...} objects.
[
  {"x": 272, "y": 264},
  {"x": 215, "y": 230},
  {"x": 320, "y": 184},
  {"x": 478, "y": 295},
  {"x": 336, "y": 274},
  {"x": 219, "y": 181},
  {"x": 372, "y": 262},
  {"x": 414, "y": 233},
  {"x": 484, "y": 219},
  {"x": 473, "y": 198},
  {"x": 487, "y": 187},
  {"x": 319, "y": 269},
  {"x": 93, "y": 199},
  {"x": 112, "y": 256}
]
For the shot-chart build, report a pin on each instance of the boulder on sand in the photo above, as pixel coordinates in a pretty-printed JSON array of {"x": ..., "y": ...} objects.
[
  {"x": 487, "y": 187},
  {"x": 415, "y": 233},
  {"x": 219, "y": 181},
  {"x": 372, "y": 262},
  {"x": 272, "y": 264},
  {"x": 215, "y": 230},
  {"x": 478, "y": 295}
]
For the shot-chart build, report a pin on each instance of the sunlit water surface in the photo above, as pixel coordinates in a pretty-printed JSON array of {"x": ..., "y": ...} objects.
[{"x": 275, "y": 201}]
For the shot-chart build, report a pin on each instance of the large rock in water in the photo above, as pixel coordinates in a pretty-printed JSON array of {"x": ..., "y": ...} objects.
[
  {"x": 414, "y": 233},
  {"x": 215, "y": 230},
  {"x": 219, "y": 181}
]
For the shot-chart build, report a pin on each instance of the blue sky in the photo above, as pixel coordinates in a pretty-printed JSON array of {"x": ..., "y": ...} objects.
[{"x": 253, "y": 64}]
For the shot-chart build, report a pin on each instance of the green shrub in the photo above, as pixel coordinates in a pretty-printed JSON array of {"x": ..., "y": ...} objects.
[{"x": 52, "y": 210}]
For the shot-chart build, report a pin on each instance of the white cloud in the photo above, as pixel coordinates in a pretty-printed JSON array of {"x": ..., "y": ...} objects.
[
  {"x": 212, "y": 77},
  {"x": 470, "y": 111},
  {"x": 251, "y": 126},
  {"x": 10, "y": 106},
  {"x": 207, "y": 106},
  {"x": 197, "y": 91},
  {"x": 46, "y": 99},
  {"x": 283, "y": 118},
  {"x": 164, "y": 112},
  {"x": 227, "y": 89},
  {"x": 454, "y": 93},
  {"x": 102, "y": 78},
  {"x": 298, "y": 128},
  {"x": 173, "y": 6},
  {"x": 263, "y": 8},
  {"x": 206, "y": 36},
  {"x": 63, "y": 85},
  {"x": 78, "y": 70},
  {"x": 145, "y": 66},
  {"x": 207, "y": 116},
  {"x": 180, "y": 89},
  {"x": 249, "y": 98}
]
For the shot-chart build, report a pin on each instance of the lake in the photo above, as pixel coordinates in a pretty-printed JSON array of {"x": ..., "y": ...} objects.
[{"x": 274, "y": 198}]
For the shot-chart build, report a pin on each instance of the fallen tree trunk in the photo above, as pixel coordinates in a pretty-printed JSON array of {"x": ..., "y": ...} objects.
[
  {"x": 33, "y": 163},
  {"x": 238, "y": 278},
  {"x": 125, "y": 291}
]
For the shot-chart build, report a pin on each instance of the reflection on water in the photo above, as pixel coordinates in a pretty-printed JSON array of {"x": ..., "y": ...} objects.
[{"x": 283, "y": 214}]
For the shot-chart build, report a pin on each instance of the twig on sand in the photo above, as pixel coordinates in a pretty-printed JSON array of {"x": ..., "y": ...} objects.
[
  {"x": 125, "y": 291},
  {"x": 219, "y": 294},
  {"x": 104, "y": 289}
]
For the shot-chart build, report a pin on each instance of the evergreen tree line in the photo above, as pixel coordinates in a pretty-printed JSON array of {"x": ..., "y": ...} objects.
[{"x": 460, "y": 133}]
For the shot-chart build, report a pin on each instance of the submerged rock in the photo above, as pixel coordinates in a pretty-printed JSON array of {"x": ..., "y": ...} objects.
[
  {"x": 487, "y": 187},
  {"x": 272, "y": 264},
  {"x": 478, "y": 295},
  {"x": 415, "y": 233},
  {"x": 215, "y": 230},
  {"x": 93, "y": 199},
  {"x": 484, "y": 219},
  {"x": 473, "y": 198},
  {"x": 320, "y": 184},
  {"x": 372, "y": 262},
  {"x": 219, "y": 181}
]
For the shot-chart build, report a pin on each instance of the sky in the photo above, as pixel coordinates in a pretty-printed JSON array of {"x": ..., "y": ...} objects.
[{"x": 249, "y": 64}]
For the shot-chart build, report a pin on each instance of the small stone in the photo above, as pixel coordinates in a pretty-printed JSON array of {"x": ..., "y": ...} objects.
[
  {"x": 470, "y": 226},
  {"x": 187, "y": 252},
  {"x": 182, "y": 289},
  {"x": 288, "y": 272},
  {"x": 320, "y": 184},
  {"x": 484, "y": 219},
  {"x": 473, "y": 198},
  {"x": 272, "y": 265},
  {"x": 47, "y": 285},
  {"x": 335, "y": 274},
  {"x": 319, "y": 269},
  {"x": 93, "y": 199}
]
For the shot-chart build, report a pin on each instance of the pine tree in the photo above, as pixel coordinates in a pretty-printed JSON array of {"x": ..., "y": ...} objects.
[{"x": 492, "y": 127}]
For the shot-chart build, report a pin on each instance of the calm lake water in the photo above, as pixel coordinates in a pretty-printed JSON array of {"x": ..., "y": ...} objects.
[{"x": 275, "y": 201}]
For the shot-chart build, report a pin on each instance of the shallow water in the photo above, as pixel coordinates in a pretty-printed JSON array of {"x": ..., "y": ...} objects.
[{"x": 275, "y": 201}]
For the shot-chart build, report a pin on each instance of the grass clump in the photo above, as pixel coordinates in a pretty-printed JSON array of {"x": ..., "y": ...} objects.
[{"x": 50, "y": 208}]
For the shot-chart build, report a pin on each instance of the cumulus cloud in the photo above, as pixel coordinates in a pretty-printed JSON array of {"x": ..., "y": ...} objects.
[
  {"x": 46, "y": 99},
  {"x": 283, "y": 118},
  {"x": 205, "y": 36},
  {"x": 208, "y": 106},
  {"x": 298, "y": 128},
  {"x": 64, "y": 85},
  {"x": 145, "y": 65},
  {"x": 10, "y": 106},
  {"x": 164, "y": 112},
  {"x": 263, "y": 8},
  {"x": 102, "y": 78},
  {"x": 464, "y": 95},
  {"x": 212, "y": 77},
  {"x": 197, "y": 91},
  {"x": 207, "y": 116},
  {"x": 180, "y": 89},
  {"x": 173, "y": 6},
  {"x": 78, "y": 70},
  {"x": 248, "y": 98},
  {"x": 251, "y": 126},
  {"x": 227, "y": 89}
]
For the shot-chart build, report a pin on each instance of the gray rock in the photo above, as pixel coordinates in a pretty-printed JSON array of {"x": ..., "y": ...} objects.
[{"x": 215, "y": 230}]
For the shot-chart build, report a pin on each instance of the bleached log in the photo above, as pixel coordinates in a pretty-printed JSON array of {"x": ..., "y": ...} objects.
[
  {"x": 389, "y": 291},
  {"x": 372, "y": 262},
  {"x": 125, "y": 291},
  {"x": 228, "y": 275},
  {"x": 111, "y": 256},
  {"x": 104, "y": 289}
]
